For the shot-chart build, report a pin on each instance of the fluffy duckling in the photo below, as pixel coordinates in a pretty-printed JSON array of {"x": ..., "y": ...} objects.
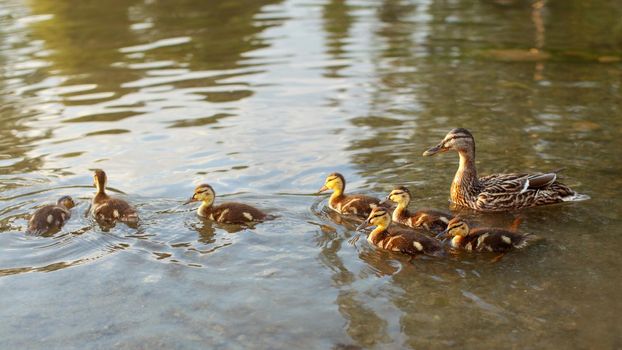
[
  {"x": 428, "y": 219},
  {"x": 482, "y": 239},
  {"x": 498, "y": 192},
  {"x": 398, "y": 239},
  {"x": 356, "y": 204},
  {"x": 229, "y": 213},
  {"x": 107, "y": 209},
  {"x": 51, "y": 216}
]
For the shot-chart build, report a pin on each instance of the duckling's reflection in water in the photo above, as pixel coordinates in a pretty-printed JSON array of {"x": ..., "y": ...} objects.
[
  {"x": 208, "y": 234},
  {"x": 364, "y": 326},
  {"x": 107, "y": 225}
]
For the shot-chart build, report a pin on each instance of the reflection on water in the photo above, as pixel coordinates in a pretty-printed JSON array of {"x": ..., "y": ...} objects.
[{"x": 262, "y": 99}]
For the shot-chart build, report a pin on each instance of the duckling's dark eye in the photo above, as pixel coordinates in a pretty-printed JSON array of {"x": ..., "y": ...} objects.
[
  {"x": 456, "y": 226},
  {"x": 378, "y": 214}
]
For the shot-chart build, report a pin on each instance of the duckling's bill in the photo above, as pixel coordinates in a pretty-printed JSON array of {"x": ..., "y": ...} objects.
[
  {"x": 192, "y": 199},
  {"x": 443, "y": 234},
  {"x": 365, "y": 224}
]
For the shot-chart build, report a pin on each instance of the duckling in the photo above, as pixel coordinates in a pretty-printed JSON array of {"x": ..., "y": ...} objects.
[
  {"x": 398, "y": 239},
  {"x": 356, "y": 204},
  {"x": 498, "y": 192},
  {"x": 51, "y": 216},
  {"x": 229, "y": 213},
  {"x": 482, "y": 239},
  {"x": 428, "y": 219},
  {"x": 107, "y": 209}
]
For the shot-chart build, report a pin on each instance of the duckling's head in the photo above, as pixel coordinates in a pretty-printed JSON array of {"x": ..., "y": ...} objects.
[
  {"x": 335, "y": 182},
  {"x": 66, "y": 201},
  {"x": 99, "y": 180},
  {"x": 400, "y": 195},
  {"x": 456, "y": 227},
  {"x": 379, "y": 217},
  {"x": 459, "y": 140},
  {"x": 204, "y": 193}
]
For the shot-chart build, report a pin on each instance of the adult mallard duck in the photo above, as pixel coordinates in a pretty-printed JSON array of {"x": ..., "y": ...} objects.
[
  {"x": 51, "y": 217},
  {"x": 107, "y": 209},
  {"x": 498, "y": 192},
  {"x": 428, "y": 219},
  {"x": 229, "y": 213},
  {"x": 398, "y": 239},
  {"x": 484, "y": 239},
  {"x": 356, "y": 204}
]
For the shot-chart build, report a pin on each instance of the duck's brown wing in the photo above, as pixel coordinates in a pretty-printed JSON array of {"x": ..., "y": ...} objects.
[
  {"x": 515, "y": 191},
  {"x": 47, "y": 218},
  {"x": 237, "y": 213},
  {"x": 115, "y": 209},
  {"x": 429, "y": 219},
  {"x": 553, "y": 193},
  {"x": 504, "y": 183},
  {"x": 494, "y": 240},
  {"x": 359, "y": 205},
  {"x": 412, "y": 243}
]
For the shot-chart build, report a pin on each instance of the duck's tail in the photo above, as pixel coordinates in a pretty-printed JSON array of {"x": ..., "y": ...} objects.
[
  {"x": 575, "y": 197},
  {"x": 528, "y": 239},
  {"x": 130, "y": 218}
]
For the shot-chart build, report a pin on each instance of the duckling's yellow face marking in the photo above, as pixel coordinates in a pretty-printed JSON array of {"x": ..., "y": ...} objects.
[
  {"x": 379, "y": 217},
  {"x": 400, "y": 196},
  {"x": 457, "y": 228},
  {"x": 333, "y": 182},
  {"x": 204, "y": 193},
  {"x": 66, "y": 202}
]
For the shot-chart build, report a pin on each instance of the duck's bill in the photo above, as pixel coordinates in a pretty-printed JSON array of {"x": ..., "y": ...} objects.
[
  {"x": 434, "y": 150},
  {"x": 442, "y": 235},
  {"x": 384, "y": 201},
  {"x": 363, "y": 225},
  {"x": 324, "y": 188},
  {"x": 192, "y": 199}
]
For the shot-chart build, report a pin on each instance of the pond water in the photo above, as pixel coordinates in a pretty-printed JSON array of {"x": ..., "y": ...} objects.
[{"x": 262, "y": 99}]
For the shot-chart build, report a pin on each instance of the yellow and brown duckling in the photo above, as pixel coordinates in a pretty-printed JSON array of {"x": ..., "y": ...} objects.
[
  {"x": 428, "y": 219},
  {"x": 107, "y": 209},
  {"x": 342, "y": 203},
  {"x": 229, "y": 213},
  {"x": 498, "y": 192},
  {"x": 484, "y": 239},
  {"x": 398, "y": 239},
  {"x": 51, "y": 217}
]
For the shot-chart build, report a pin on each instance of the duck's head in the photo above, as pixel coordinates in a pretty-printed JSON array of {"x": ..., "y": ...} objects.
[
  {"x": 379, "y": 217},
  {"x": 66, "y": 201},
  {"x": 204, "y": 193},
  {"x": 335, "y": 182},
  {"x": 455, "y": 227},
  {"x": 459, "y": 140},
  {"x": 99, "y": 180},
  {"x": 400, "y": 195}
]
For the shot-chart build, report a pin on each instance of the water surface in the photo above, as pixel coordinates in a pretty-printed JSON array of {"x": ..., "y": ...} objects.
[{"x": 262, "y": 99}]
